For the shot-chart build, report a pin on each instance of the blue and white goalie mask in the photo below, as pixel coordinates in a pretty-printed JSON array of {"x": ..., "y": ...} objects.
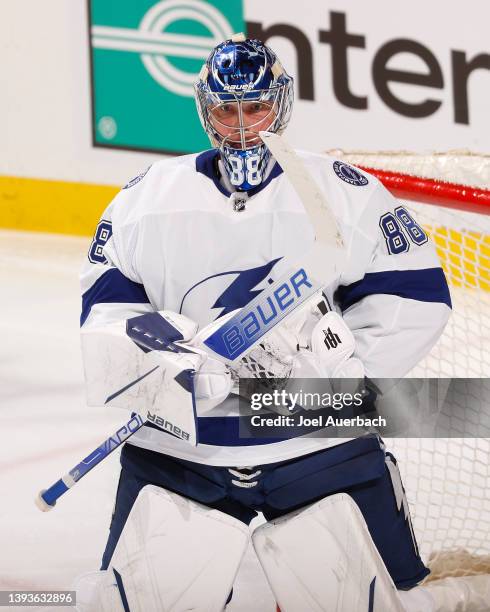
[{"x": 243, "y": 89}]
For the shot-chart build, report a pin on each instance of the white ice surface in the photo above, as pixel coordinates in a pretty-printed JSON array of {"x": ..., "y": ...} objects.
[{"x": 46, "y": 428}]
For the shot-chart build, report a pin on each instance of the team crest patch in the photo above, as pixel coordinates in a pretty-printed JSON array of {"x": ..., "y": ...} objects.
[
  {"x": 349, "y": 174},
  {"x": 136, "y": 179}
]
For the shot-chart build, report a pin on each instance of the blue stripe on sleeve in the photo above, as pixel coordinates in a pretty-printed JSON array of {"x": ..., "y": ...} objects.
[
  {"x": 427, "y": 285},
  {"x": 112, "y": 288}
]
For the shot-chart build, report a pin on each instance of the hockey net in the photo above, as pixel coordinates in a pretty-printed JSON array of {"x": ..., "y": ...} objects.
[{"x": 447, "y": 480}]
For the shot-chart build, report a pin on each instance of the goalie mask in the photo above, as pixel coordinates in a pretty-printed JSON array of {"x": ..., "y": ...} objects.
[{"x": 243, "y": 89}]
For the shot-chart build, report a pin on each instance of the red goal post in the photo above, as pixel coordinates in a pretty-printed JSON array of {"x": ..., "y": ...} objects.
[{"x": 434, "y": 191}]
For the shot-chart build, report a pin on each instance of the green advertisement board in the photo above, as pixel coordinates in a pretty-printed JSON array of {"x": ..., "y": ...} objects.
[{"x": 145, "y": 57}]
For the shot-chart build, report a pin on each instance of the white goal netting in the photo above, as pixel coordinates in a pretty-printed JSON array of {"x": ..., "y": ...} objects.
[{"x": 447, "y": 479}]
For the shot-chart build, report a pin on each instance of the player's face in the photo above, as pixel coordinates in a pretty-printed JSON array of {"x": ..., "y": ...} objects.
[{"x": 251, "y": 116}]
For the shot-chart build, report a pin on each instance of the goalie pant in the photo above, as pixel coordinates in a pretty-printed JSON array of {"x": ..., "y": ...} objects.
[{"x": 359, "y": 467}]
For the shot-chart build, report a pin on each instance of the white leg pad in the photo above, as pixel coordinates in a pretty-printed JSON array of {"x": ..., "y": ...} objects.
[
  {"x": 417, "y": 599},
  {"x": 322, "y": 558},
  {"x": 174, "y": 555},
  {"x": 97, "y": 592}
]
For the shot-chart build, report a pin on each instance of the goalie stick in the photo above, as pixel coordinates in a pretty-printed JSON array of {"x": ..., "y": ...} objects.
[
  {"x": 245, "y": 329},
  {"x": 46, "y": 500}
]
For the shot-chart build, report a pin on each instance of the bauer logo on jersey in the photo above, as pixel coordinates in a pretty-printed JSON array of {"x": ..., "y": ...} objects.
[
  {"x": 349, "y": 174},
  {"x": 136, "y": 179}
]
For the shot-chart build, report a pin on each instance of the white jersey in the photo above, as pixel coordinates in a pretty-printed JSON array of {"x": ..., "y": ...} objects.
[{"x": 171, "y": 240}]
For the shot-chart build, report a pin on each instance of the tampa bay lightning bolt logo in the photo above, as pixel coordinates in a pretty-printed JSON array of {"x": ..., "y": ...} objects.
[
  {"x": 240, "y": 292},
  {"x": 349, "y": 174},
  {"x": 136, "y": 179}
]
